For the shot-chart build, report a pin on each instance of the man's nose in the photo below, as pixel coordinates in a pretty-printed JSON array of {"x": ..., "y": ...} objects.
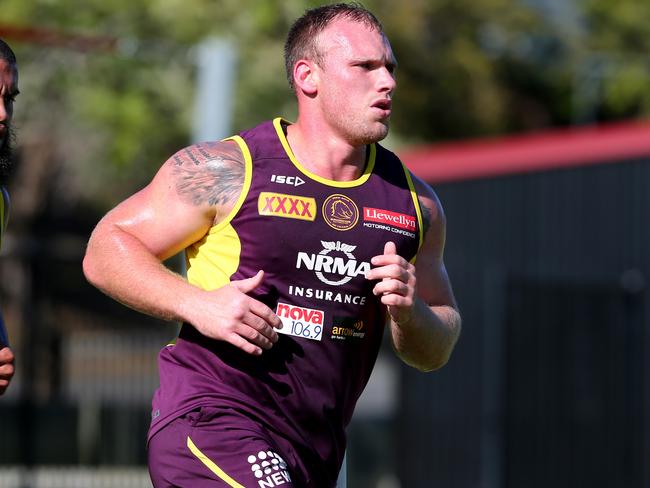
[{"x": 387, "y": 81}]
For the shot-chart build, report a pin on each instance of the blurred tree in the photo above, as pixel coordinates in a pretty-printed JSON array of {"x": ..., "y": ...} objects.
[
  {"x": 95, "y": 120},
  {"x": 467, "y": 68},
  {"x": 616, "y": 55},
  {"x": 450, "y": 54}
]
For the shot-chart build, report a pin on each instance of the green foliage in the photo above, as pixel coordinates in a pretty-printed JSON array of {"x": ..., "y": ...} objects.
[
  {"x": 466, "y": 68},
  {"x": 616, "y": 34}
]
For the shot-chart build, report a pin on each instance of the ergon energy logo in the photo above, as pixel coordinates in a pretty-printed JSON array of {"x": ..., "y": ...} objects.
[
  {"x": 334, "y": 265},
  {"x": 400, "y": 220},
  {"x": 287, "y": 206}
]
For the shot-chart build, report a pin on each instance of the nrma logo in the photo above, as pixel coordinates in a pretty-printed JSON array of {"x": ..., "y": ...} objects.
[{"x": 335, "y": 260}]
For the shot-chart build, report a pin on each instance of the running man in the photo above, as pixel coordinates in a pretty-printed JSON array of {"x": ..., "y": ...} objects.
[
  {"x": 303, "y": 241},
  {"x": 8, "y": 93}
]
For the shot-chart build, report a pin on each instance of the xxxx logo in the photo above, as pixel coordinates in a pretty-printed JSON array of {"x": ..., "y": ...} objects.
[{"x": 288, "y": 206}]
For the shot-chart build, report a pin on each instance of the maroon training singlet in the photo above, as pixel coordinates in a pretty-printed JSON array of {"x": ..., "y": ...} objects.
[{"x": 314, "y": 239}]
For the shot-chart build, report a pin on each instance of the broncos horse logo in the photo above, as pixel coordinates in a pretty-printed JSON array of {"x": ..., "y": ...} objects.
[{"x": 340, "y": 212}]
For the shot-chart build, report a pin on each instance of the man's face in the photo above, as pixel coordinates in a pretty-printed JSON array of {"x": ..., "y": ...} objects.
[
  {"x": 356, "y": 81},
  {"x": 8, "y": 92}
]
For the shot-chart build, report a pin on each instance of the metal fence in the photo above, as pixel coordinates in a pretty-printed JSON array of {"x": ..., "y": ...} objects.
[
  {"x": 547, "y": 386},
  {"x": 74, "y": 477}
]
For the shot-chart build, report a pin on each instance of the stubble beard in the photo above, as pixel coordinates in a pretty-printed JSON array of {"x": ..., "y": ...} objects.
[
  {"x": 6, "y": 155},
  {"x": 361, "y": 132},
  {"x": 369, "y": 134}
]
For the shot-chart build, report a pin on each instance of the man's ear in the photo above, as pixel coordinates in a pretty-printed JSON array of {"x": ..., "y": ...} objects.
[{"x": 305, "y": 77}]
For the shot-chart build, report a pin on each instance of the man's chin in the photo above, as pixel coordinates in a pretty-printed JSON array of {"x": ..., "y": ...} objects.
[{"x": 378, "y": 132}]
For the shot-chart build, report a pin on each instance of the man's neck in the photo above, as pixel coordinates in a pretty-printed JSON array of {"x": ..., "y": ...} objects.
[{"x": 324, "y": 154}]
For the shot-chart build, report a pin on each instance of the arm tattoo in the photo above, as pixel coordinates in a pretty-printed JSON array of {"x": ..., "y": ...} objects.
[
  {"x": 426, "y": 217},
  {"x": 209, "y": 173}
]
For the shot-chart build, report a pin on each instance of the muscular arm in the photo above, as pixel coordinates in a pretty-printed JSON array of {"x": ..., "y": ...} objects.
[
  {"x": 6, "y": 360},
  {"x": 6, "y": 354},
  {"x": 6, "y": 368},
  {"x": 192, "y": 190},
  {"x": 424, "y": 318}
]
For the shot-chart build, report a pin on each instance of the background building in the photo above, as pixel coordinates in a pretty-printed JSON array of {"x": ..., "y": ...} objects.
[{"x": 548, "y": 251}]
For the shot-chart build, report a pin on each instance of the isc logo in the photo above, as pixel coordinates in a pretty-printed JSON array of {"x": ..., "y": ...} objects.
[
  {"x": 287, "y": 206},
  {"x": 287, "y": 180}
]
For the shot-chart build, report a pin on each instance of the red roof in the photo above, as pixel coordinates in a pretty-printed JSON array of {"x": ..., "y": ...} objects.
[{"x": 560, "y": 148}]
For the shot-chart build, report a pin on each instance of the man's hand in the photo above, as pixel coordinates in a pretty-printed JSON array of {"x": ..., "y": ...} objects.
[
  {"x": 230, "y": 315},
  {"x": 6, "y": 367},
  {"x": 397, "y": 285}
]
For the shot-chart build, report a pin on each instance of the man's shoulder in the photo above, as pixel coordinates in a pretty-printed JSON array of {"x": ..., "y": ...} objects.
[
  {"x": 201, "y": 153},
  {"x": 264, "y": 126},
  {"x": 385, "y": 152},
  {"x": 4, "y": 208},
  {"x": 5, "y": 199},
  {"x": 265, "y": 133},
  {"x": 421, "y": 187},
  {"x": 389, "y": 162}
]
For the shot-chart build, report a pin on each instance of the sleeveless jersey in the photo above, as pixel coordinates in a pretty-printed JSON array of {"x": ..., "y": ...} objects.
[
  {"x": 4, "y": 218},
  {"x": 314, "y": 239},
  {"x": 4, "y": 211}
]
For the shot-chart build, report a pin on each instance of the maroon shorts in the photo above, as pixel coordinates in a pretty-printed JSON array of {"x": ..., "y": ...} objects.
[{"x": 210, "y": 448}]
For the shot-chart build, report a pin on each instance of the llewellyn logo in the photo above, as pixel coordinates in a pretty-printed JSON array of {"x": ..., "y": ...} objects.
[
  {"x": 336, "y": 269},
  {"x": 400, "y": 220},
  {"x": 287, "y": 206},
  {"x": 340, "y": 212}
]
